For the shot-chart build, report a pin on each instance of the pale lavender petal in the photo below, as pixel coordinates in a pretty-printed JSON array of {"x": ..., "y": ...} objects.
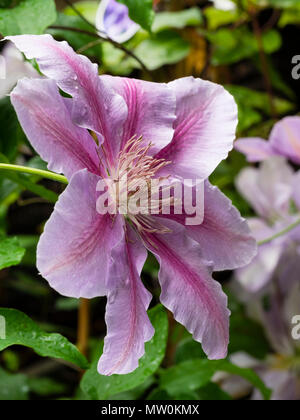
[
  {"x": 285, "y": 138},
  {"x": 274, "y": 322},
  {"x": 204, "y": 128},
  {"x": 45, "y": 118},
  {"x": 151, "y": 111},
  {"x": 260, "y": 272},
  {"x": 95, "y": 105},
  {"x": 285, "y": 385},
  {"x": 128, "y": 325},
  {"x": 291, "y": 304},
  {"x": 74, "y": 251},
  {"x": 269, "y": 188},
  {"x": 288, "y": 270},
  {"x": 15, "y": 68},
  {"x": 113, "y": 20},
  {"x": 254, "y": 277},
  {"x": 255, "y": 149},
  {"x": 224, "y": 236},
  {"x": 188, "y": 289}
]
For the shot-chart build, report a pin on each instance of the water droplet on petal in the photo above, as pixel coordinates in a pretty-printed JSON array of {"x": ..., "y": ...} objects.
[{"x": 112, "y": 297}]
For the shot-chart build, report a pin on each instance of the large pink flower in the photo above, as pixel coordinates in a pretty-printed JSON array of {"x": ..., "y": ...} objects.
[{"x": 182, "y": 130}]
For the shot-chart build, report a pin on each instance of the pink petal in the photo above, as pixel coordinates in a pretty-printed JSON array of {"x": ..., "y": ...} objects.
[
  {"x": 74, "y": 250},
  {"x": 224, "y": 236},
  {"x": 204, "y": 128},
  {"x": 268, "y": 189},
  {"x": 128, "y": 325},
  {"x": 15, "y": 68},
  {"x": 255, "y": 149},
  {"x": 260, "y": 272},
  {"x": 151, "y": 111},
  {"x": 283, "y": 383},
  {"x": 255, "y": 276},
  {"x": 45, "y": 117},
  {"x": 95, "y": 106},
  {"x": 189, "y": 291},
  {"x": 285, "y": 138}
]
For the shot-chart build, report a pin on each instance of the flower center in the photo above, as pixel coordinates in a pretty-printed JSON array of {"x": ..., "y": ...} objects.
[{"x": 135, "y": 189}]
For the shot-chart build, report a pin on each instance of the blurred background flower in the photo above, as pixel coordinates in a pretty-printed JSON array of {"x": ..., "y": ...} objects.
[
  {"x": 15, "y": 68},
  {"x": 112, "y": 20}
]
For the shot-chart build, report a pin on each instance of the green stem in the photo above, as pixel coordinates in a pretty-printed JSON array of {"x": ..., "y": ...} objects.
[
  {"x": 281, "y": 233},
  {"x": 33, "y": 171}
]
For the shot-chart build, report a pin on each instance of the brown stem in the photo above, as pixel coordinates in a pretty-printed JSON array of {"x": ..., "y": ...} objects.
[
  {"x": 111, "y": 41},
  {"x": 78, "y": 13},
  {"x": 272, "y": 21},
  {"x": 83, "y": 329},
  {"x": 264, "y": 63},
  {"x": 105, "y": 37},
  {"x": 89, "y": 45},
  {"x": 172, "y": 341}
]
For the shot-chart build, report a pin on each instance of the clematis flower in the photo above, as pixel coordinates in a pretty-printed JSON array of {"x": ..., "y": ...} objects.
[
  {"x": 112, "y": 19},
  {"x": 284, "y": 141},
  {"x": 182, "y": 130},
  {"x": 279, "y": 369},
  {"x": 12, "y": 68},
  {"x": 270, "y": 190}
]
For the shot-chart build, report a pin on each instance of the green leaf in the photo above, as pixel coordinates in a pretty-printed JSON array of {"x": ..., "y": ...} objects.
[
  {"x": 11, "y": 360},
  {"x": 253, "y": 105},
  {"x": 159, "y": 394},
  {"x": 115, "y": 61},
  {"x": 141, "y": 11},
  {"x": 67, "y": 304},
  {"x": 281, "y": 4},
  {"x": 194, "y": 374},
  {"x": 231, "y": 46},
  {"x": 11, "y": 133},
  {"x": 99, "y": 387},
  {"x": 136, "y": 393},
  {"x": 189, "y": 349},
  {"x": 259, "y": 100},
  {"x": 21, "y": 330},
  {"x": 13, "y": 387},
  {"x": 11, "y": 253},
  {"x": 290, "y": 17},
  {"x": 189, "y": 376},
  {"x": 29, "y": 242},
  {"x": 5, "y": 3},
  {"x": 76, "y": 40},
  {"x": 26, "y": 182},
  {"x": 216, "y": 17},
  {"x": 87, "y": 8},
  {"x": 178, "y": 20},
  {"x": 248, "y": 374},
  {"x": 28, "y": 17},
  {"x": 212, "y": 392},
  {"x": 46, "y": 387},
  {"x": 166, "y": 47},
  {"x": 242, "y": 331},
  {"x": 29, "y": 285}
]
